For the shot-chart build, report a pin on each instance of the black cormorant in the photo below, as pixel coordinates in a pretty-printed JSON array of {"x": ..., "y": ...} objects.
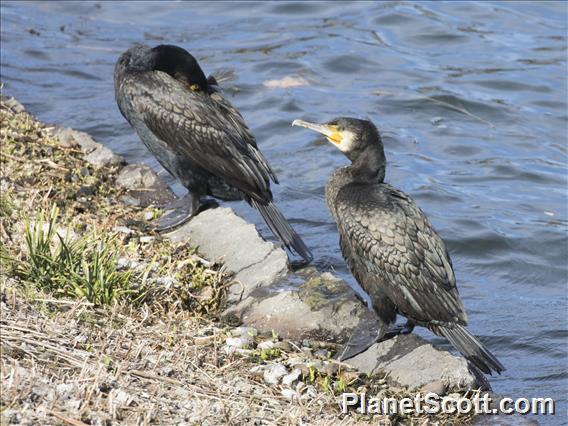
[
  {"x": 196, "y": 134},
  {"x": 390, "y": 246}
]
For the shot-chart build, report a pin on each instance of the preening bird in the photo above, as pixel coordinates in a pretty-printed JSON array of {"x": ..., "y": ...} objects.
[
  {"x": 390, "y": 246},
  {"x": 196, "y": 135}
]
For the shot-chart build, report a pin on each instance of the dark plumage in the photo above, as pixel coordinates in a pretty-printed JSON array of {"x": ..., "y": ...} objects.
[
  {"x": 196, "y": 134},
  {"x": 390, "y": 246}
]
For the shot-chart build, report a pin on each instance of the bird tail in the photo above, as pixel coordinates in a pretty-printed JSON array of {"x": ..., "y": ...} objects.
[
  {"x": 282, "y": 229},
  {"x": 470, "y": 347}
]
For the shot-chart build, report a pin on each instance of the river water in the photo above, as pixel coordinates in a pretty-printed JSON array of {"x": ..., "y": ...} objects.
[{"x": 471, "y": 98}]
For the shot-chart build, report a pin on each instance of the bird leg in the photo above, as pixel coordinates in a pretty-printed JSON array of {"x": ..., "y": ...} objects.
[
  {"x": 359, "y": 344},
  {"x": 182, "y": 210},
  {"x": 386, "y": 333}
]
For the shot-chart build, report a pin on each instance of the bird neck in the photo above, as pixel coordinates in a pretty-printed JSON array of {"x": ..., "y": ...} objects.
[
  {"x": 369, "y": 166},
  {"x": 367, "y": 169}
]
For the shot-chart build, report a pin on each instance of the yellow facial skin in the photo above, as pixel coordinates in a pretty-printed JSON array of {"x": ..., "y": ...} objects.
[
  {"x": 330, "y": 131},
  {"x": 334, "y": 137}
]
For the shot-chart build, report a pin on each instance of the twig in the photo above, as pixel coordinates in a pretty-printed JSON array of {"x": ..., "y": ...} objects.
[{"x": 67, "y": 419}]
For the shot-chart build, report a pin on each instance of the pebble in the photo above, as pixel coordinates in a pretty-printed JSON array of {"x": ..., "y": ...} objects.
[
  {"x": 258, "y": 370},
  {"x": 239, "y": 342},
  {"x": 309, "y": 392},
  {"x": 329, "y": 368},
  {"x": 296, "y": 360},
  {"x": 288, "y": 379},
  {"x": 289, "y": 393},
  {"x": 120, "y": 397},
  {"x": 265, "y": 345},
  {"x": 283, "y": 346},
  {"x": 122, "y": 230},
  {"x": 274, "y": 373},
  {"x": 147, "y": 239},
  {"x": 230, "y": 350}
]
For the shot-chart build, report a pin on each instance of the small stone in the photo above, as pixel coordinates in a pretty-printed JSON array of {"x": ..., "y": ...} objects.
[
  {"x": 289, "y": 393},
  {"x": 136, "y": 176},
  {"x": 238, "y": 342},
  {"x": 288, "y": 379},
  {"x": 102, "y": 156},
  {"x": 273, "y": 373},
  {"x": 204, "y": 340},
  {"x": 329, "y": 368},
  {"x": 258, "y": 370},
  {"x": 81, "y": 338},
  {"x": 265, "y": 345},
  {"x": 148, "y": 215},
  {"x": 295, "y": 360},
  {"x": 121, "y": 397},
  {"x": 123, "y": 230},
  {"x": 283, "y": 346},
  {"x": 309, "y": 392},
  {"x": 147, "y": 239},
  {"x": 13, "y": 104}
]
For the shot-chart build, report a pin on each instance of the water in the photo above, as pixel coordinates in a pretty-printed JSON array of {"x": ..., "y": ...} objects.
[{"x": 470, "y": 97}]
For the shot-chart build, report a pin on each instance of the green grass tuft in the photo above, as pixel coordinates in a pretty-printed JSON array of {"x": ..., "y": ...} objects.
[{"x": 83, "y": 268}]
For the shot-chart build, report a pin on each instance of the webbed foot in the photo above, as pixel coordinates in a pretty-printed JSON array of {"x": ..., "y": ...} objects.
[{"x": 182, "y": 210}]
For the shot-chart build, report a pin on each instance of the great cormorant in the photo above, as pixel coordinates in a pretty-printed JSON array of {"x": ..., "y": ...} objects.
[
  {"x": 196, "y": 134},
  {"x": 390, "y": 246}
]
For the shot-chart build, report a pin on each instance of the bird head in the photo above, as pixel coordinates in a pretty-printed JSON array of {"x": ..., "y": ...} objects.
[
  {"x": 350, "y": 135},
  {"x": 173, "y": 60},
  {"x": 181, "y": 65}
]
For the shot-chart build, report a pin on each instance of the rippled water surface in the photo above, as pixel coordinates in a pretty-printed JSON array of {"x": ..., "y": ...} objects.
[{"x": 471, "y": 99}]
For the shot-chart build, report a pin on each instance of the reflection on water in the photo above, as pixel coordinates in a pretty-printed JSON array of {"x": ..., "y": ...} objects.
[{"x": 471, "y": 99}]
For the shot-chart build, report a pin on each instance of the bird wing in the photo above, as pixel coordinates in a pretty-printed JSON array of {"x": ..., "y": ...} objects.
[
  {"x": 395, "y": 242},
  {"x": 203, "y": 127}
]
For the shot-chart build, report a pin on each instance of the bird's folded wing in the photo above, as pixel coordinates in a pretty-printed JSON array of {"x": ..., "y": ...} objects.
[
  {"x": 196, "y": 126},
  {"x": 395, "y": 241}
]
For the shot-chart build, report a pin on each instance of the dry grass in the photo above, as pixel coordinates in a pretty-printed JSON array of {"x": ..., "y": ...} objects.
[{"x": 91, "y": 365}]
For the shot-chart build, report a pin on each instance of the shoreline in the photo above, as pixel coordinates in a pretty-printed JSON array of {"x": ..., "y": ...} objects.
[{"x": 288, "y": 331}]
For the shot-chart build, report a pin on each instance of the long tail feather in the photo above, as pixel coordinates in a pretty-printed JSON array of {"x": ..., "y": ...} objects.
[
  {"x": 283, "y": 230},
  {"x": 470, "y": 347}
]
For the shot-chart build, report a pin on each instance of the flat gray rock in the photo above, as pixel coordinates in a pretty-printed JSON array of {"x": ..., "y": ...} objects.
[
  {"x": 96, "y": 153},
  {"x": 221, "y": 235},
  {"x": 412, "y": 362},
  {"x": 13, "y": 104}
]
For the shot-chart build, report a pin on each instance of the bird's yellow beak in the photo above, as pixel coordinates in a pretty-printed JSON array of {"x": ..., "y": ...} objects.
[{"x": 328, "y": 130}]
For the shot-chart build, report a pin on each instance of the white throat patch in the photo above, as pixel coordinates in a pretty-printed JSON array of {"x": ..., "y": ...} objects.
[{"x": 347, "y": 141}]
